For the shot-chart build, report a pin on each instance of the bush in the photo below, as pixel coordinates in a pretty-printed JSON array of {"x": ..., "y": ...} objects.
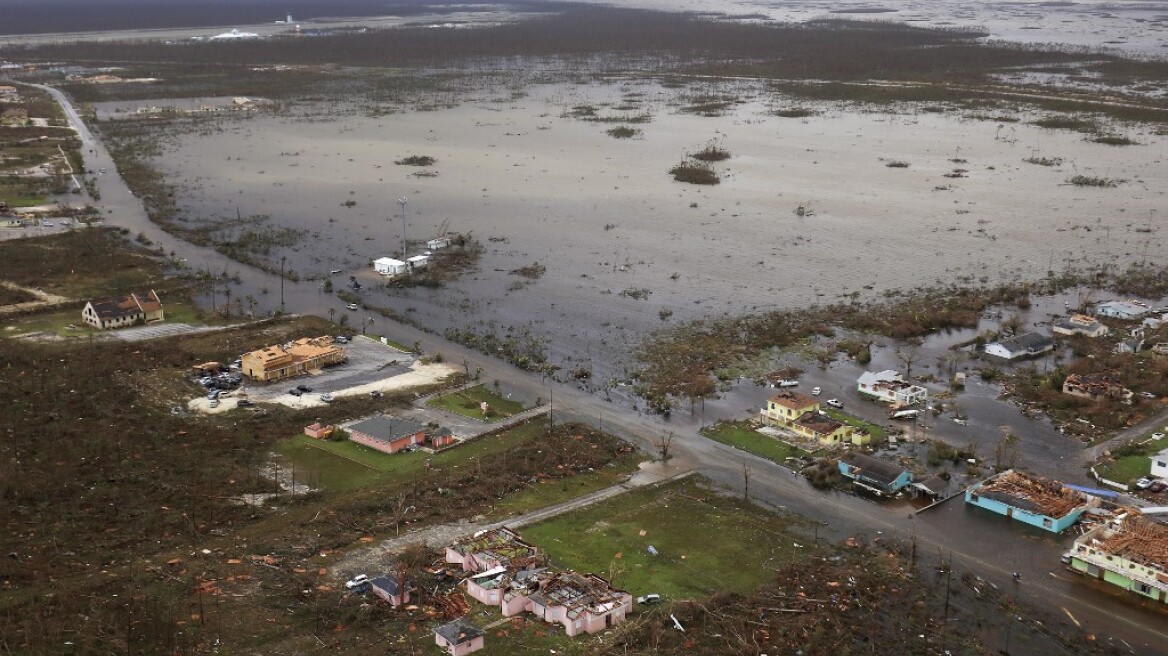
[
  {"x": 695, "y": 173},
  {"x": 622, "y": 132},
  {"x": 415, "y": 160},
  {"x": 1094, "y": 181}
]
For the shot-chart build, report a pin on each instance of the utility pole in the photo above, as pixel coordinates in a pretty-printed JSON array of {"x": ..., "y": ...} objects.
[
  {"x": 402, "y": 201},
  {"x": 282, "y": 259}
]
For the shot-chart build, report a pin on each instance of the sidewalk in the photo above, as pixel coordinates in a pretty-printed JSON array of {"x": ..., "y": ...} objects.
[{"x": 650, "y": 473}]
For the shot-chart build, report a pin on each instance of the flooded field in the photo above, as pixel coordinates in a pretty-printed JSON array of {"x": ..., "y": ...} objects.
[{"x": 891, "y": 200}]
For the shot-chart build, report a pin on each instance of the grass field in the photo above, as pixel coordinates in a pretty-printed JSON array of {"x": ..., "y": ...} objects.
[
  {"x": 467, "y": 403},
  {"x": 345, "y": 465},
  {"x": 1127, "y": 469},
  {"x": 741, "y": 436},
  {"x": 703, "y": 541},
  {"x": 878, "y": 432}
]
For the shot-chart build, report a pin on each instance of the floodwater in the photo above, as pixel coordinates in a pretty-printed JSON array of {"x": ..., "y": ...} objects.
[{"x": 604, "y": 217}]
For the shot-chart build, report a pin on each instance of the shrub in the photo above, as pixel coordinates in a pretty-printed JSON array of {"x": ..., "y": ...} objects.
[
  {"x": 622, "y": 132},
  {"x": 896, "y": 164},
  {"x": 711, "y": 153},
  {"x": 695, "y": 173},
  {"x": 1094, "y": 181},
  {"x": 415, "y": 160},
  {"x": 1114, "y": 140}
]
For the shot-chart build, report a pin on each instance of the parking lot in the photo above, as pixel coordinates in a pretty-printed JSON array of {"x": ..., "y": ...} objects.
[{"x": 371, "y": 366}]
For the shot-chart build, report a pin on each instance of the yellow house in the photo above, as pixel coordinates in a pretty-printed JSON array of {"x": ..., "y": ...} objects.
[
  {"x": 786, "y": 406},
  {"x": 826, "y": 430}
]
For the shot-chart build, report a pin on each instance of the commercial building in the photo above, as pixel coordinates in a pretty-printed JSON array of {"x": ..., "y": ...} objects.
[
  {"x": 387, "y": 434},
  {"x": 139, "y": 307},
  {"x": 292, "y": 359}
]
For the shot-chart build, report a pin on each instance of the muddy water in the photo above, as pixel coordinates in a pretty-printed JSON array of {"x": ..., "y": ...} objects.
[{"x": 604, "y": 217}]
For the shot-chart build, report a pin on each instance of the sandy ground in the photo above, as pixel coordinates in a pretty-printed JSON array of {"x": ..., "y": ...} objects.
[
  {"x": 603, "y": 215},
  {"x": 419, "y": 374}
]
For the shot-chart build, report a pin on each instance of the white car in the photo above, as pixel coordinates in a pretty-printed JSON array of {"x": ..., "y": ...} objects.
[
  {"x": 787, "y": 382},
  {"x": 1157, "y": 436},
  {"x": 1144, "y": 483},
  {"x": 835, "y": 403},
  {"x": 327, "y": 398},
  {"x": 357, "y": 581},
  {"x": 352, "y": 306},
  {"x": 815, "y": 391}
]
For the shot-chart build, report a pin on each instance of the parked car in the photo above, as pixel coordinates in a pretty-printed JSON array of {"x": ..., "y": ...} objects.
[
  {"x": 304, "y": 388},
  {"x": 787, "y": 382},
  {"x": 334, "y": 272},
  {"x": 214, "y": 403},
  {"x": 815, "y": 391},
  {"x": 352, "y": 306},
  {"x": 213, "y": 394},
  {"x": 1066, "y": 558},
  {"x": 375, "y": 394},
  {"x": 649, "y": 599},
  {"x": 295, "y": 392},
  {"x": 243, "y": 403},
  {"x": 1144, "y": 483},
  {"x": 341, "y": 339},
  {"x": 357, "y": 581},
  {"x": 1158, "y": 487},
  {"x": 1157, "y": 436},
  {"x": 835, "y": 403},
  {"x": 327, "y": 398}
]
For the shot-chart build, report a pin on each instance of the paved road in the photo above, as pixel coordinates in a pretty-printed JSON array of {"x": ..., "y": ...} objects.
[{"x": 972, "y": 545}]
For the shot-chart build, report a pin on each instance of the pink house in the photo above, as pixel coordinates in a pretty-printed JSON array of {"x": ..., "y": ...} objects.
[
  {"x": 488, "y": 550},
  {"x": 389, "y": 589},
  {"x": 581, "y": 603},
  {"x": 459, "y": 637}
]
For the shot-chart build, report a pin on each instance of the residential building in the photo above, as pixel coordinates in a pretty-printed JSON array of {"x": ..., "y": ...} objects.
[
  {"x": 1029, "y": 345},
  {"x": 387, "y": 434},
  {"x": 418, "y": 261},
  {"x": 1096, "y": 387},
  {"x": 1160, "y": 464},
  {"x": 890, "y": 387},
  {"x": 459, "y": 637},
  {"x": 292, "y": 359},
  {"x": 387, "y": 266},
  {"x": 581, "y": 603},
  {"x": 141, "y": 307},
  {"x": 1126, "y": 310},
  {"x": 1130, "y": 553},
  {"x": 878, "y": 476},
  {"x": 1079, "y": 324},
  {"x": 1029, "y": 499},
  {"x": 391, "y": 589},
  {"x": 1130, "y": 345},
  {"x": 1153, "y": 323},
  {"x": 826, "y": 430},
  {"x": 787, "y": 406},
  {"x": 488, "y": 550},
  {"x": 1160, "y": 348}
]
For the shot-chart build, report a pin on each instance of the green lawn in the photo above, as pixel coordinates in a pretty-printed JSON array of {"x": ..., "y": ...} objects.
[
  {"x": 877, "y": 431},
  {"x": 551, "y": 492},
  {"x": 466, "y": 403},
  {"x": 705, "y": 542},
  {"x": 741, "y": 436},
  {"x": 345, "y": 465},
  {"x": 1126, "y": 469}
]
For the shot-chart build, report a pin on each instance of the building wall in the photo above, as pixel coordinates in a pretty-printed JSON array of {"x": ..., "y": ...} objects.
[
  {"x": 458, "y": 650},
  {"x": 1054, "y": 525},
  {"x": 786, "y": 415},
  {"x": 1113, "y": 573},
  {"x": 1160, "y": 465},
  {"x": 394, "y": 600},
  {"x": 997, "y": 350}
]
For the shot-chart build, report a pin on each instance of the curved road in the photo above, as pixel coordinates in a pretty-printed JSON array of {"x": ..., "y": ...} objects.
[{"x": 987, "y": 544}]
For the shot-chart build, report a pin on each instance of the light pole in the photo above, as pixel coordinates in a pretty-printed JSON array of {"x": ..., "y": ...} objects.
[
  {"x": 402, "y": 201},
  {"x": 282, "y": 258}
]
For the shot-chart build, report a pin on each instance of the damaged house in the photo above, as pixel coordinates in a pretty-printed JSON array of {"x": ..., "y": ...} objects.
[
  {"x": 1130, "y": 553},
  {"x": 1030, "y": 499},
  {"x": 581, "y": 603},
  {"x": 1096, "y": 387},
  {"x": 490, "y": 550},
  {"x": 875, "y": 475},
  {"x": 890, "y": 387}
]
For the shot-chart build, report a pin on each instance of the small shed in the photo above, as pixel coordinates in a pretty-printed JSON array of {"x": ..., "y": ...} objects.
[
  {"x": 442, "y": 437},
  {"x": 459, "y": 637},
  {"x": 418, "y": 261},
  {"x": 389, "y": 589},
  {"x": 387, "y": 266},
  {"x": 435, "y": 244}
]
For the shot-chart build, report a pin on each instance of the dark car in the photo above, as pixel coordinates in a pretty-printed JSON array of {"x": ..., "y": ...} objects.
[
  {"x": 243, "y": 403},
  {"x": 304, "y": 388},
  {"x": 375, "y": 394},
  {"x": 1158, "y": 487},
  {"x": 295, "y": 392}
]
